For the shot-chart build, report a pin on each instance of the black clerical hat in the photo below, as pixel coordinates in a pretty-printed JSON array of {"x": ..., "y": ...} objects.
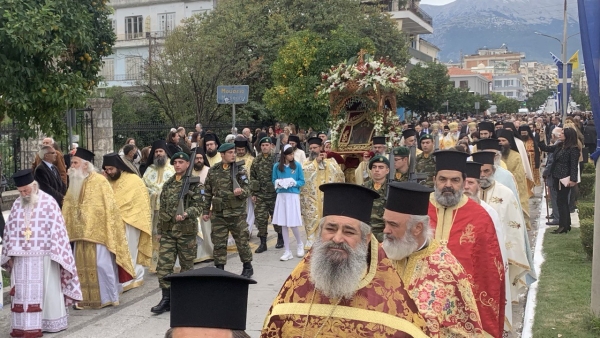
[
  {"x": 23, "y": 177},
  {"x": 114, "y": 160},
  {"x": 199, "y": 150},
  {"x": 408, "y": 133},
  {"x": 314, "y": 140},
  {"x": 209, "y": 297},
  {"x": 408, "y": 198},
  {"x": 350, "y": 200},
  {"x": 473, "y": 169},
  {"x": 450, "y": 160},
  {"x": 488, "y": 143},
  {"x": 486, "y": 125},
  {"x": 484, "y": 157},
  {"x": 378, "y": 139},
  {"x": 84, "y": 154},
  {"x": 294, "y": 138},
  {"x": 158, "y": 144},
  {"x": 210, "y": 137}
]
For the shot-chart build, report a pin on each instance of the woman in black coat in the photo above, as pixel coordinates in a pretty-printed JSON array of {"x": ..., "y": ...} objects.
[{"x": 566, "y": 159}]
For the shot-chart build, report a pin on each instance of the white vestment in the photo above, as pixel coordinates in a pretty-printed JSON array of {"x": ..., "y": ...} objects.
[
  {"x": 133, "y": 239},
  {"x": 299, "y": 155},
  {"x": 524, "y": 158},
  {"x": 362, "y": 173},
  {"x": 205, "y": 245}
]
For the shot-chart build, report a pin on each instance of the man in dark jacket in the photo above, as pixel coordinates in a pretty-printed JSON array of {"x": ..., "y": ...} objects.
[
  {"x": 47, "y": 175},
  {"x": 547, "y": 174},
  {"x": 590, "y": 136}
]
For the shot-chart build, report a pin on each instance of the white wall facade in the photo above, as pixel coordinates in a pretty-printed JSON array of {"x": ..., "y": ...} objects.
[{"x": 476, "y": 83}]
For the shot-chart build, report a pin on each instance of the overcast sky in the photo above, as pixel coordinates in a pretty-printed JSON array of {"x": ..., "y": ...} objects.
[{"x": 436, "y": 2}]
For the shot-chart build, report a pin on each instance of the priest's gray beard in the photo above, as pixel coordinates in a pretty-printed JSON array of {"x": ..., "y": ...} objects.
[
  {"x": 448, "y": 197},
  {"x": 397, "y": 249},
  {"x": 474, "y": 197},
  {"x": 333, "y": 274},
  {"x": 487, "y": 182},
  {"x": 160, "y": 161},
  {"x": 33, "y": 196},
  {"x": 76, "y": 178}
]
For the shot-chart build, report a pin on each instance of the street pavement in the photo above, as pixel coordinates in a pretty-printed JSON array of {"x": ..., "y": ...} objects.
[{"x": 133, "y": 319}]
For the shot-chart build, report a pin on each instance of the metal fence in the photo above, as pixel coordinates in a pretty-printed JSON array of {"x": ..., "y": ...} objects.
[{"x": 10, "y": 151}]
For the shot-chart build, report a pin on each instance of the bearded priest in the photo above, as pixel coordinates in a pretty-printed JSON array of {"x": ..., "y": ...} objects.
[
  {"x": 95, "y": 226},
  {"x": 345, "y": 286},
  {"x": 433, "y": 277},
  {"x": 468, "y": 231},
  {"x": 37, "y": 253},
  {"x": 134, "y": 207}
]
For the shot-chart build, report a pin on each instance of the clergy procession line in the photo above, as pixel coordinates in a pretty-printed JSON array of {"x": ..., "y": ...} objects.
[{"x": 434, "y": 246}]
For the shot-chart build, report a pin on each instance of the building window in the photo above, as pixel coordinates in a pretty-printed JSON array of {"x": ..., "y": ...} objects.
[
  {"x": 108, "y": 69},
  {"x": 113, "y": 25},
  {"x": 134, "y": 66},
  {"x": 497, "y": 83},
  {"x": 464, "y": 84},
  {"x": 134, "y": 27},
  {"x": 509, "y": 94},
  {"x": 509, "y": 83},
  {"x": 166, "y": 23}
]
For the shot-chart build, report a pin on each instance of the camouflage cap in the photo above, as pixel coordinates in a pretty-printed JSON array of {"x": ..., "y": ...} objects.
[
  {"x": 180, "y": 156},
  {"x": 379, "y": 158},
  {"x": 226, "y": 146},
  {"x": 401, "y": 152}
]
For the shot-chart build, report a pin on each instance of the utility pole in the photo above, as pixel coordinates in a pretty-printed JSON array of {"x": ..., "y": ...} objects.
[{"x": 565, "y": 98}]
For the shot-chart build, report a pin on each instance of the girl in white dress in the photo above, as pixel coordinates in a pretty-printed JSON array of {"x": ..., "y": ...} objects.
[{"x": 288, "y": 178}]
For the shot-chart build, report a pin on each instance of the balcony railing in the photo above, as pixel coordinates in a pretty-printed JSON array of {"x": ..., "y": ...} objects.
[
  {"x": 414, "y": 7},
  {"x": 124, "y": 77},
  {"x": 143, "y": 35}
]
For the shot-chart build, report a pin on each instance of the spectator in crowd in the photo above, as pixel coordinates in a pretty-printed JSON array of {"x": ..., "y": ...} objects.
[{"x": 173, "y": 144}]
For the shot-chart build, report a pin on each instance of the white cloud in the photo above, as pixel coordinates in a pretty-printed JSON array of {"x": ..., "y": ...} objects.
[{"x": 436, "y": 2}]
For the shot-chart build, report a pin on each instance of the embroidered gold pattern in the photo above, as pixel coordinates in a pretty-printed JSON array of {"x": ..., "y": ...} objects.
[{"x": 468, "y": 235}]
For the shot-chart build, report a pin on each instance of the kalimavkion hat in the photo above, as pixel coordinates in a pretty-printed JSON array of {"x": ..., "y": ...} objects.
[
  {"x": 180, "y": 156},
  {"x": 378, "y": 140},
  {"x": 409, "y": 133},
  {"x": 484, "y": 156},
  {"x": 379, "y": 158},
  {"x": 486, "y": 125},
  {"x": 408, "y": 198},
  {"x": 315, "y": 140},
  {"x": 347, "y": 199},
  {"x": 450, "y": 160},
  {"x": 84, "y": 154},
  {"x": 114, "y": 160},
  {"x": 209, "y": 297},
  {"x": 473, "y": 169},
  {"x": 23, "y": 177},
  {"x": 488, "y": 143}
]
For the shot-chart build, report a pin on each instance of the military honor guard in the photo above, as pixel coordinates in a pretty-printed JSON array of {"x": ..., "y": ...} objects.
[{"x": 380, "y": 169}]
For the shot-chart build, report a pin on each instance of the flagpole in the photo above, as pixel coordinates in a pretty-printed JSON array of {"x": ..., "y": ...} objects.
[{"x": 565, "y": 63}]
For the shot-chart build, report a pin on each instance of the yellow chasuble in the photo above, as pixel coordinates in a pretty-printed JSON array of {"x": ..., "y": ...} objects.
[
  {"x": 248, "y": 159},
  {"x": 380, "y": 306},
  {"x": 311, "y": 197},
  {"x": 134, "y": 206},
  {"x": 440, "y": 287},
  {"x": 214, "y": 160},
  {"x": 359, "y": 173},
  {"x": 514, "y": 164},
  {"x": 93, "y": 219}
]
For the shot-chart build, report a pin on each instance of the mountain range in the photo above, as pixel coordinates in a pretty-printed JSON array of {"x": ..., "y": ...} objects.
[{"x": 463, "y": 26}]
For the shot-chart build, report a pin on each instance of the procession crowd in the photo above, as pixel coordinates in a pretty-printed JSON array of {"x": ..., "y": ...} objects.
[{"x": 420, "y": 236}]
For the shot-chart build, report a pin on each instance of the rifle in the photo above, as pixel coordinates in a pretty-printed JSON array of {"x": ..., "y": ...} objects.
[
  {"x": 185, "y": 188},
  {"x": 413, "y": 176},
  {"x": 392, "y": 173},
  {"x": 234, "y": 172}
]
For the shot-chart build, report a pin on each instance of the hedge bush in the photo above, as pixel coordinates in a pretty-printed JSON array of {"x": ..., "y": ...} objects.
[
  {"x": 589, "y": 168},
  {"x": 587, "y": 235},
  {"x": 586, "y": 209},
  {"x": 586, "y": 187}
]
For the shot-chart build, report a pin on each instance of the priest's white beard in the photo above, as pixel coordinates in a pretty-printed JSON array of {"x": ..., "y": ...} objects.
[
  {"x": 33, "y": 196},
  {"x": 76, "y": 178},
  {"x": 474, "y": 197},
  {"x": 487, "y": 182},
  {"x": 333, "y": 274},
  {"x": 446, "y": 199},
  {"x": 398, "y": 249}
]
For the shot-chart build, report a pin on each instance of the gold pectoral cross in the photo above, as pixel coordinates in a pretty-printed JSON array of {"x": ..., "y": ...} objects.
[{"x": 27, "y": 232}]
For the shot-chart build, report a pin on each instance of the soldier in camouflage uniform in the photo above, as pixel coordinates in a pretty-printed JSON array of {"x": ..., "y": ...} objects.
[
  {"x": 380, "y": 169},
  {"x": 425, "y": 160},
  {"x": 401, "y": 155},
  {"x": 228, "y": 209},
  {"x": 177, "y": 232},
  {"x": 263, "y": 193}
]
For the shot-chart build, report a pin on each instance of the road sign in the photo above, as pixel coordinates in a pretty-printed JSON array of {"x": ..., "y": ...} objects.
[
  {"x": 477, "y": 105},
  {"x": 232, "y": 94}
]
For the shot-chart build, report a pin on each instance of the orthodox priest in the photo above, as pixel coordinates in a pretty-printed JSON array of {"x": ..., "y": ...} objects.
[
  {"x": 205, "y": 245},
  {"x": 318, "y": 170},
  {"x": 211, "y": 146},
  {"x": 520, "y": 149},
  {"x": 299, "y": 154},
  {"x": 36, "y": 252},
  {"x": 134, "y": 207},
  {"x": 468, "y": 231},
  {"x": 244, "y": 153},
  {"x": 533, "y": 154},
  {"x": 503, "y": 201},
  {"x": 158, "y": 172},
  {"x": 345, "y": 286},
  {"x": 95, "y": 226},
  {"x": 433, "y": 277}
]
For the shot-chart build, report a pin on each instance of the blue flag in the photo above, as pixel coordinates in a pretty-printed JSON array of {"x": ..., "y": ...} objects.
[
  {"x": 559, "y": 65},
  {"x": 589, "y": 26}
]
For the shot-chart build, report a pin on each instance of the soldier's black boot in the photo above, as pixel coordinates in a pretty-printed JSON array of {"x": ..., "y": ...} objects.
[
  {"x": 279, "y": 244},
  {"x": 248, "y": 271},
  {"x": 220, "y": 266},
  {"x": 263, "y": 245},
  {"x": 165, "y": 303}
]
